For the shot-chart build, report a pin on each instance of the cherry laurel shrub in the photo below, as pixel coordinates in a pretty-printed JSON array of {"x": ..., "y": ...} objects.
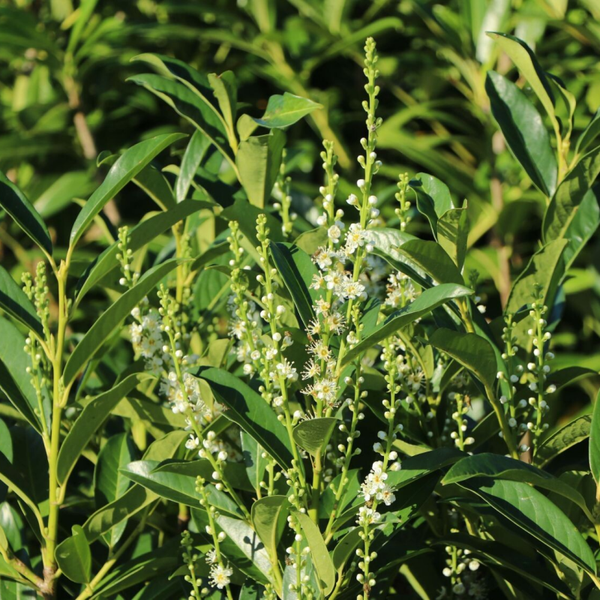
[{"x": 324, "y": 414}]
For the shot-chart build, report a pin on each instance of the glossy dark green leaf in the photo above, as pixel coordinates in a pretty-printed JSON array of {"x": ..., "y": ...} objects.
[
  {"x": 258, "y": 160},
  {"x": 431, "y": 258},
  {"x": 312, "y": 434},
  {"x": 155, "y": 185},
  {"x": 568, "y": 200},
  {"x": 433, "y": 198},
  {"x": 283, "y": 111},
  {"x": 109, "y": 483},
  {"x": 566, "y": 437},
  {"x": 527, "y": 63},
  {"x": 15, "y": 382},
  {"x": 91, "y": 417},
  {"x": 194, "y": 155},
  {"x": 524, "y": 131},
  {"x": 251, "y": 413},
  {"x": 112, "y": 318},
  {"x": 503, "y": 467},
  {"x": 319, "y": 553},
  {"x": 74, "y": 556},
  {"x": 296, "y": 269},
  {"x": 424, "y": 304},
  {"x": 122, "y": 172},
  {"x": 453, "y": 233},
  {"x": 139, "y": 236},
  {"x": 247, "y": 541},
  {"x": 470, "y": 350},
  {"x": 13, "y": 201},
  {"x": 14, "y": 301},
  {"x": 269, "y": 520},
  {"x": 255, "y": 463},
  {"x": 536, "y": 514},
  {"x": 246, "y": 214}
]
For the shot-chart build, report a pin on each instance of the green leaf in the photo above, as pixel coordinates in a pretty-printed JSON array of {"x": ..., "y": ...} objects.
[
  {"x": 526, "y": 62},
  {"x": 139, "y": 236},
  {"x": 320, "y": 556},
  {"x": 296, "y": 269},
  {"x": 424, "y": 304},
  {"x": 312, "y": 434},
  {"x": 190, "y": 105},
  {"x": 433, "y": 198},
  {"x": 595, "y": 445},
  {"x": 283, "y": 111},
  {"x": 15, "y": 382},
  {"x": 567, "y": 201},
  {"x": 74, "y": 556},
  {"x": 524, "y": 131},
  {"x": 258, "y": 160},
  {"x": 502, "y": 467},
  {"x": 14, "y": 301},
  {"x": 112, "y": 318},
  {"x": 431, "y": 258},
  {"x": 269, "y": 520},
  {"x": 536, "y": 514},
  {"x": 194, "y": 154},
  {"x": 122, "y": 172},
  {"x": 470, "y": 350},
  {"x": 566, "y": 437},
  {"x": 453, "y": 233},
  {"x": 256, "y": 465},
  {"x": 90, "y": 419},
  {"x": 589, "y": 134},
  {"x": 156, "y": 186},
  {"x": 225, "y": 90},
  {"x": 13, "y": 201},
  {"x": 251, "y": 413},
  {"x": 109, "y": 483}
]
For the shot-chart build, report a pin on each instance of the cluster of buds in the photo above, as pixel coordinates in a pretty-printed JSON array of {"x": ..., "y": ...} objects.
[
  {"x": 125, "y": 257},
  {"x": 461, "y": 569}
]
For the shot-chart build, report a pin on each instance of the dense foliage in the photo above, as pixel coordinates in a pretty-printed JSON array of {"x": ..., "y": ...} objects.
[{"x": 251, "y": 366}]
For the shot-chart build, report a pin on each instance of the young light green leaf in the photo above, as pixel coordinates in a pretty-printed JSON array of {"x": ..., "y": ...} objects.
[
  {"x": 569, "y": 196},
  {"x": 268, "y": 520},
  {"x": 14, "y": 202},
  {"x": 566, "y": 437},
  {"x": 112, "y": 318},
  {"x": 283, "y": 111},
  {"x": 536, "y": 514},
  {"x": 424, "y": 304},
  {"x": 296, "y": 269},
  {"x": 122, "y": 172},
  {"x": 194, "y": 155},
  {"x": 251, "y": 413},
  {"x": 589, "y": 134},
  {"x": 139, "y": 236},
  {"x": 526, "y": 62},
  {"x": 313, "y": 433},
  {"x": 453, "y": 233},
  {"x": 91, "y": 417},
  {"x": 318, "y": 549},
  {"x": 470, "y": 350},
  {"x": 524, "y": 131},
  {"x": 225, "y": 90},
  {"x": 258, "y": 160},
  {"x": 14, "y": 301},
  {"x": 431, "y": 258},
  {"x": 74, "y": 556},
  {"x": 433, "y": 198}
]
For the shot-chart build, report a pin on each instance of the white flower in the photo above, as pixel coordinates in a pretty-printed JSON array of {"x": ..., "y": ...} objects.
[
  {"x": 367, "y": 516},
  {"x": 220, "y": 576}
]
